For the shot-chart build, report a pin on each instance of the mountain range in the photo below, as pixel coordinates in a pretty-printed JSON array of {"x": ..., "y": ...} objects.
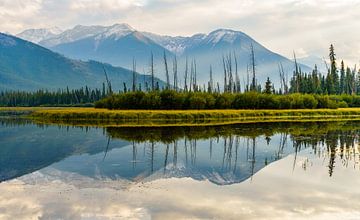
[
  {"x": 28, "y": 66},
  {"x": 120, "y": 44}
]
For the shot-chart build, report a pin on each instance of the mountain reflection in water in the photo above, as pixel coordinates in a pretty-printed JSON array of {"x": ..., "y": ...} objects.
[{"x": 221, "y": 154}]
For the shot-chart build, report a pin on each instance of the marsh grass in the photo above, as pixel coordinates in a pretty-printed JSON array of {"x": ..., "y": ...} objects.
[{"x": 105, "y": 117}]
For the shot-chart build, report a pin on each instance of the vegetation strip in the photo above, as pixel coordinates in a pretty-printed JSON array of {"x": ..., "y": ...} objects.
[{"x": 158, "y": 117}]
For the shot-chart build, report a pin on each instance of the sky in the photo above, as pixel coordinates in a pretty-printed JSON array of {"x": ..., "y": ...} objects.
[{"x": 307, "y": 27}]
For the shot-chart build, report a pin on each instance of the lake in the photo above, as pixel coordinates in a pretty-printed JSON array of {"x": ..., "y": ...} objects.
[{"x": 243, "y": 171}]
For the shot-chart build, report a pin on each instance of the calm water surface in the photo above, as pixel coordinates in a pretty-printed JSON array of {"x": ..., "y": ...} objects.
[{"x": 248, "y": 171}]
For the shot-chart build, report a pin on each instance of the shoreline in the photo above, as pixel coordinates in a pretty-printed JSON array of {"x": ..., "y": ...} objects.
[{"x": 149, "y": 118}]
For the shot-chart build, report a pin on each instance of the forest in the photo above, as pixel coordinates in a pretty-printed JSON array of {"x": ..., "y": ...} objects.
[
  {"x": 74, "y": 97},
  {"x": 339, "y": 87}
]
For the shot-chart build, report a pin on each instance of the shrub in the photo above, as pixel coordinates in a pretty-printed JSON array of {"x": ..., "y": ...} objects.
[
  {"x": 309, "y": 101},
  {"x": 224, "y": 101},
  {"x": 248, "y": 100},
  {"x": 284, "y": 101},
  {"x": 266, "y": 101},
  {"x": 197, "y": 101},
  {"x": 297, "y": 101},
  {"x": 151, "y": 100},
  {"x": 171, "y": 99}
]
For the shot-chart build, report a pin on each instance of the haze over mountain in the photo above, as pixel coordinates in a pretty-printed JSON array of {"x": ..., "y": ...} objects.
[
  {"x": 119, "y": 44},
  {"x": 27, "y": 66},
  {"x": 314, "y": 60}
]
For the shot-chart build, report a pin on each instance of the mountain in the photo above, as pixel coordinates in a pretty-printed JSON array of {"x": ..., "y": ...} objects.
[
  {"x": 208, "y": 49},
  {"x": 37, "y": 35},
  {"x": 27, "y": 66},
  {"x": 32, "y": 148},
  {"x": 119, "y": 44}
]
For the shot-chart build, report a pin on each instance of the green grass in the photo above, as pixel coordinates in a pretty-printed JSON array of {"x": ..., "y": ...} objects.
[{"x": 104, "y": 117}]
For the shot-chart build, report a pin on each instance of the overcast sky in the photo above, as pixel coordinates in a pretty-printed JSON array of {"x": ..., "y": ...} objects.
[{"x": 306, "y": 26}]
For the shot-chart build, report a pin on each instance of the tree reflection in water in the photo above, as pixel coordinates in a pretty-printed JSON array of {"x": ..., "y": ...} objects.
[{"x": 260, "y": 143}]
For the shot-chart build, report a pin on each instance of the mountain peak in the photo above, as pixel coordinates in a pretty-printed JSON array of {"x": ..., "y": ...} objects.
[
  {"x": 117, "y": 31},
  {"x": 122, "y": 26},
  {"x": 227, "y": 35},
  {"x": 39, "y": 34}
]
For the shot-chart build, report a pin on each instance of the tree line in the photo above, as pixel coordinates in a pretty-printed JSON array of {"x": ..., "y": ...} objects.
[
  {"x": 343, "y": 80},
  {"x": 83, "y": 96}
]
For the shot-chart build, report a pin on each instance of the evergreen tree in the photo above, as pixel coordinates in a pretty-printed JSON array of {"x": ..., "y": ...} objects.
[
  {"x": 343, "y": 79},
  {"x": 268, "y": 86},
  {"x": 334, "y": 84}
]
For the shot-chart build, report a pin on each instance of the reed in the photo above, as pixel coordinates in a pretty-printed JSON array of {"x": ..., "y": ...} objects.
[{"x": 92, "y": 116}]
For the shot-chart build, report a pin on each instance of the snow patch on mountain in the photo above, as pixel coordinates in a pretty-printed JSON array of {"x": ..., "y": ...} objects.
[
  {"x": 179, "y": 45},
  {"x": 228, "y": 36},
  {"x": 37, "y": 35},
  {"x": 79, "y": 32},
  {"x": 116, "y": 31}
]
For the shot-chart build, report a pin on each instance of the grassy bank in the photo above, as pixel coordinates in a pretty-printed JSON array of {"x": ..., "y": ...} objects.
[{"x": 92, "y": 116}]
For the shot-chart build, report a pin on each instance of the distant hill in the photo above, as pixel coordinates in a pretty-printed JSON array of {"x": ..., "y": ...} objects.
[{"x": 27, "y": 66}]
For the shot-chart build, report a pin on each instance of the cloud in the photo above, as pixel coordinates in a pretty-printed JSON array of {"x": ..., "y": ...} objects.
[
  {"x": 106, "y": 5},
  {"x": 281, "y": 25},
  {"x": 276, "y": 192}
]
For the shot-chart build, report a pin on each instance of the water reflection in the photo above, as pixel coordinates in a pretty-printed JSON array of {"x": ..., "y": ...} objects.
[
  {"x": 220, "y": 154},
  {"x": 233, "y": 153},
  {"x": 247, "y": 171}
]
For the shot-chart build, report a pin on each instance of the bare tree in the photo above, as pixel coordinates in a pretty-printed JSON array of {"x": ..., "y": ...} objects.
[
  {"x": 166, "y": 72},
  {"x": 247, "y": 78},
  {"x": 107, "y": 81},
  {"x": 229, "y": 71},
  {"x": 195, "y": 76},
  {"x": 211, "y": 82},
  {"x": 283, "y": 79},
  {"x": 191, "y": 76},
  {"x": 152, "y": 72},
  {"x": 134, "y": 75},
  {"x": 175, "y": 69},
  {"x": 237, "y": 79},
  {"x": 186, "y": 75},
  {"x": 253, "y": 86},
  {"x": 225, "y": 74}
]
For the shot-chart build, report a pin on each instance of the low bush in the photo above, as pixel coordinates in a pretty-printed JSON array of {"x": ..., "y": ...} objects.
[{"x": 170, "y": 99}]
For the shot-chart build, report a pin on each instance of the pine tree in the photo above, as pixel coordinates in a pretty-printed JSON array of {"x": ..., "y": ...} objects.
[
  {"x": 335, "y": 84},
  {"x": 343, "y": 85},
  {"x": 268, "y": 86}
]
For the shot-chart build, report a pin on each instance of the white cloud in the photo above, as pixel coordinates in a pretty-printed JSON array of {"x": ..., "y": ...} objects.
[
  {"x": 107, "y": 5},
  {"x": 281, "y": 25}
]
